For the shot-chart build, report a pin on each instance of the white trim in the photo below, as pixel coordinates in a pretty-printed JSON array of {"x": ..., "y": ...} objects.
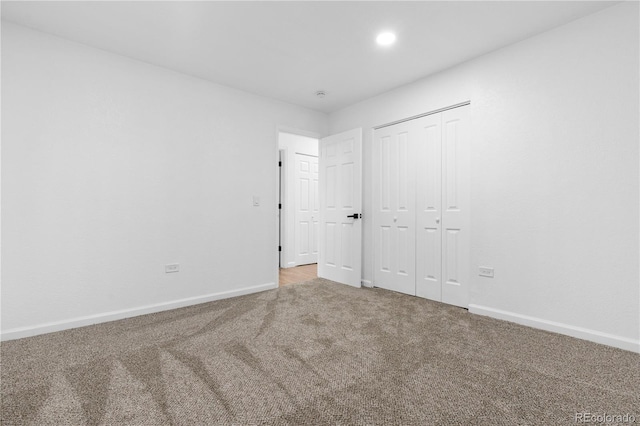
[
  {"x": 299, "y": 132},
  {"x": 279, "y": 205},
  {"x": 277, "y": 254},
  {"x": 20, "y": 332},
  {"x": 283, "y": 225},
  {"x": 367, "y": 283},
  {"x": 557, "y": 327}
]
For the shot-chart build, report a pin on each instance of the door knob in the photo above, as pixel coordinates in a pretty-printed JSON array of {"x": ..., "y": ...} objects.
[
  {"x": 395, "y": 218},
  {"x": 355, "y": 216},
  {"x": 437, "y": 220}
]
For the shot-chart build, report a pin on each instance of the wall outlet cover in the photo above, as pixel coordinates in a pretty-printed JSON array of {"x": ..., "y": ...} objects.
[
  {"x": 173, "y": 267},
  {"x": 485, "y": 271}
]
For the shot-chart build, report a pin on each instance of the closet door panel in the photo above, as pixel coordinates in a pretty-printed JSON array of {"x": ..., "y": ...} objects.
[
  {"x": 394, "y": 208},
  {"x": 429, "y": 207},
  {"x": 456, "y": 213}
]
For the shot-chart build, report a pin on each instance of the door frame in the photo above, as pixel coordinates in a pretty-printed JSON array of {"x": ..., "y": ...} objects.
[
  {"x": 280, "y": 215},
  {"x": 279, "y": 201}
]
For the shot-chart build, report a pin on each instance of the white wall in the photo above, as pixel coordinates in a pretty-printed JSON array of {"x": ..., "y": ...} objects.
[
  {"x": 291, "y": 144},
  {"x": 112, "y": 168},
  {"x": 555, "y": 133}
]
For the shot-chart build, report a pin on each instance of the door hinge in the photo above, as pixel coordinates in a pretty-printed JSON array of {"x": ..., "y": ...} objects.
[
  {"x": 279, "y": 206},
  {"x": 279, "y": 163},
  {"x": 279, "y": 248}
]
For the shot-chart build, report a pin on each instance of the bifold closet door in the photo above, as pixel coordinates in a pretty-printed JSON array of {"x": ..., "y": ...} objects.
[
  {"x": 421, "y": 211},
  {"x": 394, "y": 217}
]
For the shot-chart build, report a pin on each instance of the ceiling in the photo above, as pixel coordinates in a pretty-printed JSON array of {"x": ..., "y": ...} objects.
[{"x": 290, "y": 50}]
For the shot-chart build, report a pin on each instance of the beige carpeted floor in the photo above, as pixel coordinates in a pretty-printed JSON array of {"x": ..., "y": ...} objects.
[{"x": 313, "y": 353}]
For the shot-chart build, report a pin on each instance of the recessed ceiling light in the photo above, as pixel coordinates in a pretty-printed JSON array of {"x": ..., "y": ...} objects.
[{"x": 386, "y": 39}]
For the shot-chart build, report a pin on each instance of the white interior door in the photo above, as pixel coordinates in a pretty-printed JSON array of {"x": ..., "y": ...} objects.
[
  {"x": 340, "y": 230},
  {"x": 306, "y": 209},
  {"x": 394, "y": 208}
]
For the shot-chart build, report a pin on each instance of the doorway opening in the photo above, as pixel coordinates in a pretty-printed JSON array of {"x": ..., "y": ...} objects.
[
  {"x": 297, "y": 207},
  {"x": 319, "y": 219},
  {"x": 298, "y": 274}
]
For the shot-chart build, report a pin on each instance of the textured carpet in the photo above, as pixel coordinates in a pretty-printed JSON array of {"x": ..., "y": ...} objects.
[{"x": 313, "y": 353}]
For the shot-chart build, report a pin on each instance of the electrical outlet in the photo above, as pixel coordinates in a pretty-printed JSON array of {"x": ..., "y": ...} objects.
[
  {"x": 485, "y": 272},
  {"x": 173, "y": 267}
]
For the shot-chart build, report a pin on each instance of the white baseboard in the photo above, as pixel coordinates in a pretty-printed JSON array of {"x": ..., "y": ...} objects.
[
  {"x": 367, "y": 283},
  {"x": 556, "y": 327},
  {"x": 20, "y": 332}
]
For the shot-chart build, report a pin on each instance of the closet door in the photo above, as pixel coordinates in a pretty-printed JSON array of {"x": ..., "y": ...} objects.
[
  {"x": 429, "y": 207},
  {"x": 421, "y": 211},
  {"x": 456, "y": 215},
  {"x": 394, "y": 208}
]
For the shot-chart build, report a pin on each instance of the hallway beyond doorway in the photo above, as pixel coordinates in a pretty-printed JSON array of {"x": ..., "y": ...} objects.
[{"x": 298, "y": 274}]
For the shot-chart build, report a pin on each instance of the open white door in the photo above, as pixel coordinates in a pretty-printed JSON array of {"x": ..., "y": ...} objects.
[{"x": 340, "y": 236}]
